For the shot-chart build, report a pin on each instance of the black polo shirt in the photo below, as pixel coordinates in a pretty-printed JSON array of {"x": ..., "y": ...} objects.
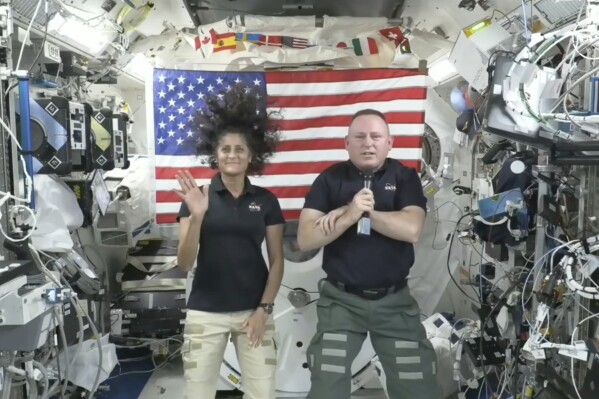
[
  {"x": 374, "y": 261},
  {"x": 231, "y": 273}
]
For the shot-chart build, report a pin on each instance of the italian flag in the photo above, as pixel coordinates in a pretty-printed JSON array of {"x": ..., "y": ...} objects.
[{"x": 365, "y": 46}]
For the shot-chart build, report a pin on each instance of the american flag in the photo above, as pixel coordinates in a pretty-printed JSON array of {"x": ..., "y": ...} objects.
[{"x": 316, "y": 107}]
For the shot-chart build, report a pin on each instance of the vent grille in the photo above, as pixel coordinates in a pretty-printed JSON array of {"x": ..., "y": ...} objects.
[
  {"x": 25, "y": 9},
  {"x": 559, "y": 11}
]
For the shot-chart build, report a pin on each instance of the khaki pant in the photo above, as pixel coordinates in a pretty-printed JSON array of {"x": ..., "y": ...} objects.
[
  {"x": 206, "y": 337},
  {"x": 397, "y": 335}
]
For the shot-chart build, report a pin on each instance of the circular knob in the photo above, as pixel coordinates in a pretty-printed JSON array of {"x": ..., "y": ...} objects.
[
  {"x": 517, "y": 167},
  {"x": 298, "y": 298}
]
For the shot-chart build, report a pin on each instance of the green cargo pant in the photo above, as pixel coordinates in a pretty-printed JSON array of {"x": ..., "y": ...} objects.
[{"x": 397, "y": 335}]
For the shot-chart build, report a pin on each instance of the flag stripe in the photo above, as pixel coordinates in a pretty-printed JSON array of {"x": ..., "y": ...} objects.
[
  {"x": 350, "y": 109},
  {"x": 286, "y": 203},
  {"x": 292, "y": 214},
  {"x": 408, "y": 93},
  {"x": 340, "y": 76},
  {"x": 357, "y": 47},
  {"x": 277, "y": 169},
  {"x": 337, "y": 155},
  {"x": 291, "y": 168},
  {"x": 344, "y": 87},
  {"x": 345, "y": 120},
  {"x": 339, "y": 144},
  {"x": 397, "y": 130},
  {"x": 167, "y": 218},
  {"x": 171, "y": 218},
  {"x": 280, "y": 192},
  {"x": 292, "y": 180},
  {"x": 372, "y": 46},
  {"x": 290, "y": 156}
]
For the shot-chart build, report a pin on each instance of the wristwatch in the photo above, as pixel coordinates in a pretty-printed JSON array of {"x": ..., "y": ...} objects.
[{"x": 267, "y": 307}]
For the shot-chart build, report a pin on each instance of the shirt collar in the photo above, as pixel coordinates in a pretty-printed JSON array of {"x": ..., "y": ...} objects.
[
  {"x": 355, "y": 171},
  {"x": 217, "y": 185}
]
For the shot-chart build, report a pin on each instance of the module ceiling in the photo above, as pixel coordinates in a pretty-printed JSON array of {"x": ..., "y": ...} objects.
[{"x": 208, "y": 11}]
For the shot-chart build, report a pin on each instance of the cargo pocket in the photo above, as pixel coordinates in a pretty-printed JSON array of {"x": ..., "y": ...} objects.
[{"x": 323, "y": 312}]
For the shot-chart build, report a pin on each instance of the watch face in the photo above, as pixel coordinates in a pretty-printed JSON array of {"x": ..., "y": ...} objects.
[{"x": 267, "y": 308}]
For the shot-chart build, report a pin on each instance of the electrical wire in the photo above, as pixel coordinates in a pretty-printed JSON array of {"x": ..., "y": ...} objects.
[
  {"x": 575, "y": 28},
  {"x": 572, "y": 343},
  {"x": 77, "y": 307},
  {"x": 576, "y": 36},
  {"x": 537, "y": 263},
  {"x": 574, "y": 256},
  {"x": 39, "y": 52},
  {"x": 486, "y": 320},
  {"x": 508, "y": 19},
  {"x": 577, "y": 50},
  {"x": 8, "y": 378},
  {"x": 448, "y": 259},
  {"x": 579, "y": 81},
  {"x": 292, "y": 289},
  {"x": 148, "y": 341},
  {"x": 525, "y": 20},
  {"x": 437, "y": 220},
  {"x": 164, "y": 363},
  {"x": 41, "y": 266},
  {"x": 65, "y": 345},
  {"x": 99, "y": 342},
  {"x": 79, "y": 339},
  {"x": 59, "y": 379},
  {"x": 535, "y": 330},
  {"x": 46, "y": 382},
  {"x": 28, "y": 187},
  {"x": 28, "y": 32},
  {"x": 136, "y": 287}
]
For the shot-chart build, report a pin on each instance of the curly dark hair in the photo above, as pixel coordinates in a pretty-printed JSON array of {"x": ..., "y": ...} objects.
[{"x": 235, "y": 111}]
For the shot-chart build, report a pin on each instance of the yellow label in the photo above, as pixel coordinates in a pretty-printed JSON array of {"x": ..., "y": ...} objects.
[{"x": 102, "y": 136}]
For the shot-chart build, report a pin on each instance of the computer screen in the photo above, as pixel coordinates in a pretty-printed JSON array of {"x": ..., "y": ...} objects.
[
  {"x": 100, "y": 191},
  {"x": 497, "y": 118}
]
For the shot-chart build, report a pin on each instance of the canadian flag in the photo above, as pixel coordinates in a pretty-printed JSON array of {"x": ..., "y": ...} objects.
[
  {"x": 204, "y": 40},
  {"x": 197, "y": 42}
]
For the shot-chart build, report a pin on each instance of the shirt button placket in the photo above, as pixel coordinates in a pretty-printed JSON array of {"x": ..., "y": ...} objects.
[{"x": 236, "y": 207}]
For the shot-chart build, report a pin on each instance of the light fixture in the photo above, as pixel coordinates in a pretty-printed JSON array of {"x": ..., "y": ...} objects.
[
  {"x": 442, "y": 70},
  {"x": 477, "y": 27},
  {"x": 139, "y": 66},
  {"x": 90, "y": 38}
]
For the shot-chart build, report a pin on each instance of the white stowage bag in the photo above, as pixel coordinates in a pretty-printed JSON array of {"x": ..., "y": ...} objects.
[
  {"x": 57, "y": 213},
  {"x": 138, "y": 179},
  {"x": 84, "y": 364}
]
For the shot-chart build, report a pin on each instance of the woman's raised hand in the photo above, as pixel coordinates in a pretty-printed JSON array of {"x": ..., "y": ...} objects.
[{"x": 195, "y": 197}]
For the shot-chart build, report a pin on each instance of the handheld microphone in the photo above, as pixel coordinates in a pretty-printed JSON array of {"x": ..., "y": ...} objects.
[{"x": 364, "y": 222}]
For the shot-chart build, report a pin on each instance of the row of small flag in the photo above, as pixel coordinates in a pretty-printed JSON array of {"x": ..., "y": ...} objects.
[{"x": 361, "y": 46}]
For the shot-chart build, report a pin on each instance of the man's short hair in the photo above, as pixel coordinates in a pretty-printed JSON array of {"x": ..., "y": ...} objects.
[{"x": 369, "y": 111}]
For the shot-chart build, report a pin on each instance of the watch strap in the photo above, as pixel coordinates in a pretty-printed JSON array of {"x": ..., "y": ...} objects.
[{"x": 268, "y": 307}]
